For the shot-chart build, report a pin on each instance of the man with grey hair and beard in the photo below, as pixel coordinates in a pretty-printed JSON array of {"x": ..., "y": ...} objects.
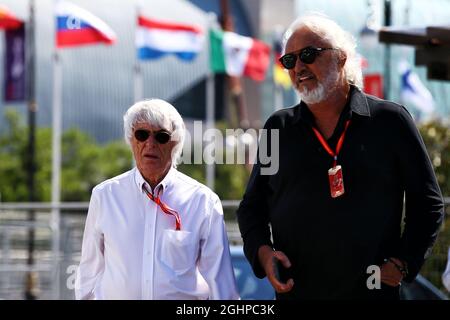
[
  {"x": 329, "y": 223},
  {"x": 153, "y": 232}
]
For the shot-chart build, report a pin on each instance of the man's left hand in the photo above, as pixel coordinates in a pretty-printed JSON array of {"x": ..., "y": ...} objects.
[{"x": 390, "y": 274}]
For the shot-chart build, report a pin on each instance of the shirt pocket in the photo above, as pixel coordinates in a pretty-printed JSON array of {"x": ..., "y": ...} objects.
[{"x": 178, "y": 250}]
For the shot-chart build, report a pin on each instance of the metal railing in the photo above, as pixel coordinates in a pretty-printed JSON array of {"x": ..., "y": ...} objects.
[
  {"x": 58, "y": 246},
  {"x": 58, "y": 229}
]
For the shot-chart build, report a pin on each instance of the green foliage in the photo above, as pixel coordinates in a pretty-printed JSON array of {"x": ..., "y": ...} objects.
[
  {"x": 437, "y": 139},
  {"x": 231, "y": 179},
  {"x": 84, "y": 163},
  {"x": 12, "y": 154},
  {"x": 79, "y": 155}
]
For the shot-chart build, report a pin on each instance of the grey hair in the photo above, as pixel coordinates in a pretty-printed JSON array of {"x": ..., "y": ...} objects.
[
  {"x": 327, "y": 29},
  {"x": 156, "y": 112}
]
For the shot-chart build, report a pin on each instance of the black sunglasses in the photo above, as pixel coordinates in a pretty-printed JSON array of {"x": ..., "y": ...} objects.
[
  {"x": 306, "y": 55},
  {"x": 162, "y": 137}
]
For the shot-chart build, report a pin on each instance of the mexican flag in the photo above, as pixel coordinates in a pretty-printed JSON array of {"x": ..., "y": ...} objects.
[{"x": 237, "y": 55}]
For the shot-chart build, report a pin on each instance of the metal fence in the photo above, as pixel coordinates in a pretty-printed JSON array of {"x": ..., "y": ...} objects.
[
  {"x": 57, "y": 244},
  {"x": 58, "y": 238}
]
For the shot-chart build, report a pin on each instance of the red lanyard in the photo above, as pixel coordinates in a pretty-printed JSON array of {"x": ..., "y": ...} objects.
[
  {"x": 327, "y": 147},
  {"x": 166, "y": 209}
]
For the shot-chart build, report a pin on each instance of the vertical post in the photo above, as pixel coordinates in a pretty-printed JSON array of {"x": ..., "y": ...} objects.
[
  {"x": 210, "y": 116},
  {"x": 31, "y": 290},
  {"x": 138, "y": 82},
  {"x": 56, "y": 167},
  {"x": 138, "y": 77},
  {"x": 278, "y": 88},
  {"x": 210, "y": 107},
  {"x": 387, "y": 50}
]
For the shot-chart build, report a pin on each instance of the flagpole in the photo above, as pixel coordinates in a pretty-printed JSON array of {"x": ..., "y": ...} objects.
[
  {"x": 31, "y": 281},
  {"x": 56, "y": 166},
  {"x": 210, "y": 111},
  {"x": 210, "y": 105},
  {"x": 138, "y": 82},
  {"x": 278, "y": 88}
]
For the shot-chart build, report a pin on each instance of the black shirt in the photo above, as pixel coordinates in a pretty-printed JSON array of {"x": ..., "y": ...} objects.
[{"x": 332, "y": 241}]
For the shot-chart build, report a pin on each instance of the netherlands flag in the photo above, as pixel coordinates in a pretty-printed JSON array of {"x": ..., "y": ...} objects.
[
  {"x": 156, "y": 38},
  {"x": 76, "y": 26}
]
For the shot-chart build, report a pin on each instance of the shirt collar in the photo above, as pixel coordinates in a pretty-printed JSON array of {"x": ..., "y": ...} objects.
[
  {"x": 357, "y": 104},
  {"x": 164, "y": 184}
]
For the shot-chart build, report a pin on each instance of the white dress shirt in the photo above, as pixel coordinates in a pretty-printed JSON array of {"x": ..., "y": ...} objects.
[{"x": 131, "y": 249}]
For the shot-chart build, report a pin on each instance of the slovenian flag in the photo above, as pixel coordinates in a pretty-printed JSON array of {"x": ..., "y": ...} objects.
[
  {"x": 76, "y": 27},
  {"x": 156, "y": 38},
  {"x": 237, "y": 55},
  {"x": 8, "y": 20}
]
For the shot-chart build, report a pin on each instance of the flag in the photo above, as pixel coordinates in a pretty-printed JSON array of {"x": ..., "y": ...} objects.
[
  {"x": 14, "y": 71},
  {"x": 76, "y": 26},
  {"x": 280, "y": 76},
  {"x": 237, "y": 55},
  {"x": 413, "y": 91},
  {"x": 155, "y": 39},
  {"x": 8, "y": 20},
  {"x": 373, "y": 84}
]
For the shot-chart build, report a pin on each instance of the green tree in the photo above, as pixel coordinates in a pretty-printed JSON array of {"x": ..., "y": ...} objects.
[
  {"x": 80, "y": 171},
  {"x": 84, "y": 163},
  {"x": 436, "y": 136},
  {"x": 12, "y": 155}
]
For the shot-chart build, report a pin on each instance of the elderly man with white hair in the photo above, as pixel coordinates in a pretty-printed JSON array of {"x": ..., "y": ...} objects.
[{"x": 153, "y": 232}]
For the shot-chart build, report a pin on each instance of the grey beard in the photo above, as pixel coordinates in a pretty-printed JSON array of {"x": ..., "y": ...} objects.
[
  {"x": 323, "y": 89},
  {"x": 313, "y": 96}
]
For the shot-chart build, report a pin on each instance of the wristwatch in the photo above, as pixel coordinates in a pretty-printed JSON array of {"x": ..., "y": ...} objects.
[{"x": 403, "y": 269}]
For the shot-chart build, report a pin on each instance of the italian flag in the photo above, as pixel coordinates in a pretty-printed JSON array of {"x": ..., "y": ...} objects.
[{"x": 237, "y": 55}]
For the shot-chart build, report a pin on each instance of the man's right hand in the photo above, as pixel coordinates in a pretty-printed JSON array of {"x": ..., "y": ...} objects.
[{"x": 268, "y": 259}]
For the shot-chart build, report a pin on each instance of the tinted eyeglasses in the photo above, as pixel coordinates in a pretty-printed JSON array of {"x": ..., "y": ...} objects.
[
  {"x": 162, "y": 137},
  {"x": 306, "y": 55}
]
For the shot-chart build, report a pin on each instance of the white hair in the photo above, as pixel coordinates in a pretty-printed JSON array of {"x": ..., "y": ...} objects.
[
  {"x": 156, "y": 112},
  {"x": 330, "y": 31}
]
